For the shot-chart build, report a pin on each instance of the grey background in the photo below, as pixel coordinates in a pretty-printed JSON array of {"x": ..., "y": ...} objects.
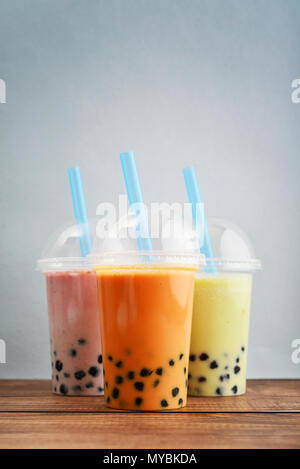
[{"x": 179, "y": 82}]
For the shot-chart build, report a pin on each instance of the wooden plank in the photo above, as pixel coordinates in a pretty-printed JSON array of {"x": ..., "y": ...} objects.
[
  {"x": 261, "y": 396},
  {"x": 151, "y": 430}
]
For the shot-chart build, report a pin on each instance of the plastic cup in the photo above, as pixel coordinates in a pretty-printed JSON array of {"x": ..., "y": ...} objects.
[
  {"x": 146, "y": 313},
  {"x": 221, "y": 312},
  {"x": 74, "y": 322}
]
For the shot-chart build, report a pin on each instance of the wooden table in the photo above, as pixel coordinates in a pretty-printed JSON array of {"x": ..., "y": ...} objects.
[{"x": 268, "y": 416}]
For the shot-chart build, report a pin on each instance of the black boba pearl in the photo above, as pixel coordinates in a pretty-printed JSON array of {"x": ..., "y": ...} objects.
[
  {"x": 159, "y": 371},
  {"x": 192, "y": 357},
  {"x": 55, "y": 353},
  {"x": 100, "y": 389},
  {"x": 189, "y": 376},
  {"x": 226, "y": 367},
  {"x": 145, "y": 372},
  {"x": 164, "y": 403},
  {"x": 77, "y": 388},
  {"x": 94, "y": 371},
  {"x": 115, "y": 393},
  {"x": 171, "y": 363},
  {"x": 227, "y": 376},
  {"x": 234, "y": 389},
  {"x": 221, "y": 378},
  {"x": 110, "y": 358},
  {"x": 219, "y": 391},
  {"x": 108, "y": 400},
  {"x": 203, "y": 357},
  {"x": 119, "y": 380},
  {"x": 184, "y": 370},
  {"x": 81, "y": 341},
  {"x": 236, "y": 369},
  {"x": 139, "y": 386},
  {"x": 201, "y": 379},
  {"x": 67, "y": 375},
  {"x": 175, "y": 391},
  {"x": 130, "y": 375},
  {"x": 100, "y": 359},
  {"x": 63, "y": 389},
  {"x": 156, "y": 383},
  {"x": 242, "y": 348},
  {"x": 237, "y": 360},
  {"x": 181, "y": 356},
  {"x": 138, "y": 401},
  {"x": 106, "y": 384},
  {"x": 180, "y": 401},
  {"x": 89, "y": 385},
  {"x": 59, "y": 365},
  {"x": 119, "y": 364},
  {"x": 79, "y": 374},
  {"x": 57, "y": 378},
  {"x": 72, "y": 352},
  {"x": 213, "y": 365}
]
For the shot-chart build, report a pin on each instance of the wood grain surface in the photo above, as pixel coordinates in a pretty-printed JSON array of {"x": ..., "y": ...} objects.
[{"x": 267, "y": 416}]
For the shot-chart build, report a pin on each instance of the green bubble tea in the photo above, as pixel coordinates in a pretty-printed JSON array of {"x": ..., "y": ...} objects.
[{"x": 218, "y": 353}]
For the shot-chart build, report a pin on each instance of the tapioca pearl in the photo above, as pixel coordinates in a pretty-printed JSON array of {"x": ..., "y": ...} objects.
[
  {"x": 171, "y": 362},
  {"x": 130, "y": 375},
  {"x": 119, "y": 379},
  {"x": 106, "y": 384},
  {"x": 192, "y": 357},
  {"x": 159, "y": 371},
  {"x": 67, "y": 375},
  {"x": 63, "y": 389},
  {"x": 110, "y": 358},
  {"x": 100, "y": 359},
  {"x": 234, "y": 389},
  {"x": 156, "y": 383},
  {"x": 201, "y": 379},
  {"x": 189, "y": 376},
  {"x": 203, "y": 357},
  {"x": 237, "y": 360},
  {"x": 139, "y": 386},
  {"x": 108, "y": 400},
  {"x": 226, "y": 367},
  {"x": 175, "y": 391},
  {"x": 119, "y": 364},
  {"x": 94, "y": 371},
  {"x": 145, "y": 372},
  {"x": 180, "y": 401},
  {"x": 164, "y": 403},
  {"x": 181, "y": 356},
  {"x": 82, "y": 341},
  {"x": 213, "y": 365},
  {"x": 236, "y": 369},
  {"x": 55, "y": 353},
  {"x": 184, "y": 370},
  {"x": 219, "y": 391},
  {"x": 72, "y": 352},
  {"x": 138, "y": 401},
  {"x": 57, "y": 378},
  {"x": 80, "y": 374},
  {"x": 89, "y": 385},
  {"x": 227, "y": 376},
  {"x": 100, "y": 389},
  {"x": 221, "y": 378},
  {"x": 59, "y": 365},
  {"x": 243, "y": 348},
  {"x": 77, "y": 388},
  {"x": 115, "y": 393}
]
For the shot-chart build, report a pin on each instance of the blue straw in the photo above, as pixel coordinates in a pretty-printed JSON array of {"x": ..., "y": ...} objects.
[
  {"x": 80, "y": 210},
  {"x": 134, "y": 193},
  {"x": 195, "y": 198}
]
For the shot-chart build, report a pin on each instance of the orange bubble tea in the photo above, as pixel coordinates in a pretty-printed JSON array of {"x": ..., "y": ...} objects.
[{"x": 145, "y": 314}]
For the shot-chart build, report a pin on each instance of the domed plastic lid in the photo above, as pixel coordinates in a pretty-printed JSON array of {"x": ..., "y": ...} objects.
[
  {"x": 62, "y": 251},
  {"x": 233, "y": 251}
]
